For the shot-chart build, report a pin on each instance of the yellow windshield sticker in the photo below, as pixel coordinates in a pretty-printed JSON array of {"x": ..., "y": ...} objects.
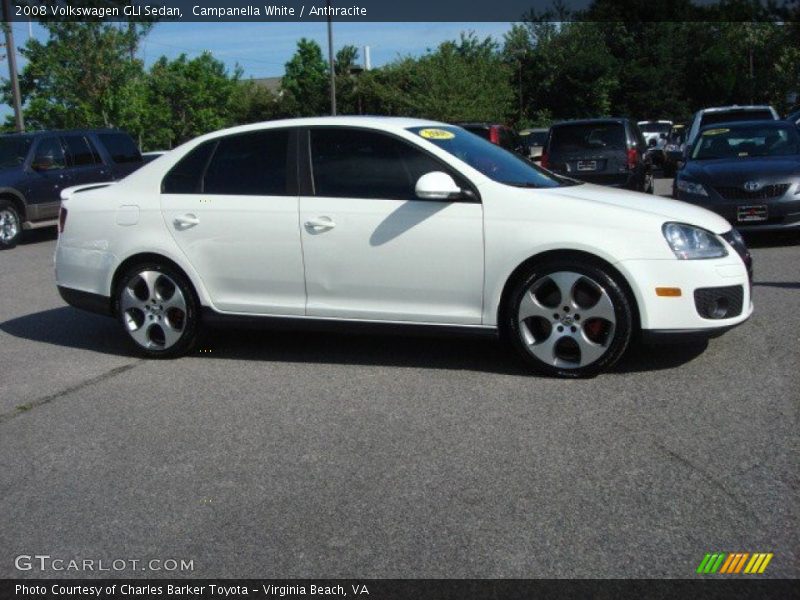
[
  {"x": 436, "y": 134},
  {"x": 715, "y": 131}
]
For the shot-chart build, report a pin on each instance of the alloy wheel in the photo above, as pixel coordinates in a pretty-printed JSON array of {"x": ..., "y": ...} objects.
[
  {"x": 9, "y": 225},
  {"x": 154, "y": 310},
  {"x": 566, "y": 320}
]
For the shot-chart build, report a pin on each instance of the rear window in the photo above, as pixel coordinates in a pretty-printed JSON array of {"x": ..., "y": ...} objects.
[
  {"x": 736, "y": 115},
  {"x": 588, "y": 136},
  {"x": 120, "y": 147}
]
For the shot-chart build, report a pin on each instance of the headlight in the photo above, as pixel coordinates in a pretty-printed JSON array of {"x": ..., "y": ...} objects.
[
  {"x": 688, "y": 242},
  {"x": 691, "y": 188}
]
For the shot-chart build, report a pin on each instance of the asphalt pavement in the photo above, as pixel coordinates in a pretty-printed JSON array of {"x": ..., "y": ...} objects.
[{"x": 319, "y": 455}]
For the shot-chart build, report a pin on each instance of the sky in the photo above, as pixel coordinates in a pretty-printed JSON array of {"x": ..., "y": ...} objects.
[{"x": 262, "y": 49}]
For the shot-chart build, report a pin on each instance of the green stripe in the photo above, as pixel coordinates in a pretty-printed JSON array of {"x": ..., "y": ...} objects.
[
  {"x": 719, "y": 562},
  {"x": 703, "y": 564},
  {"x": 711, "y": 562}
]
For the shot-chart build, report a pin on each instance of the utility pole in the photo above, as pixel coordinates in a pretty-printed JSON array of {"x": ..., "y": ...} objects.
[
  {"x": 330, "y": 58},
  {"x": 11, "y": 51}
]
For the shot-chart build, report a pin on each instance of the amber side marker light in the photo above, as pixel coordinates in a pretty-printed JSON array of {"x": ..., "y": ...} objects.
[{"x": 668, "y": 292}]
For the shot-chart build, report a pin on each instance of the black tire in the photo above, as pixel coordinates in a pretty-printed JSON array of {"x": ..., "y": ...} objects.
[
  {"x": 10, "y": 225},
  {"x": 608, "y": 339},
  {"x": 158, "y": 322}
]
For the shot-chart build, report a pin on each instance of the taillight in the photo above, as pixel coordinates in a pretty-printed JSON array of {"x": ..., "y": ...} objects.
[
  {"x": 62, "y": 219},
  {"x": 544, "y": 161},
  {"x": 494, "y": 135},
  {"x": 633, "y": 158}
]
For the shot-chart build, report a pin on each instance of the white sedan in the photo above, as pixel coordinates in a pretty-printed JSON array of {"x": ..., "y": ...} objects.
[{"x": 394, "y": 222}]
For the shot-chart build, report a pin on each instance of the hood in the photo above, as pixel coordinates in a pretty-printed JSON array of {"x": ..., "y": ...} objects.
[
  {"x": 664, "y": 209},
  {"x": 736, "y": 171}
]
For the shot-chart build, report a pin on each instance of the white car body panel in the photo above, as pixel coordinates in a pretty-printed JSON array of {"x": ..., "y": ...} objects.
[
  {"x": 394, "y": 260},
  {"x": 387, "y": 261}
]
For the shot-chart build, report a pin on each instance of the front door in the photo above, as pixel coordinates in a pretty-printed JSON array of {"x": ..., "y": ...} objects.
[{"x": 372, "y": 249}]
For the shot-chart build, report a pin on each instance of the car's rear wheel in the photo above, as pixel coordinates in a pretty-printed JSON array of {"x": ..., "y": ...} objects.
[
  {"x": 569, "y": 318},
  {"x": 10, "y": 225},
  {"x": 158, "y": 309}
]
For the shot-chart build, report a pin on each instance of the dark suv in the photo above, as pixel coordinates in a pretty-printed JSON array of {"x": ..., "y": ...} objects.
[
  {"x": 35, "y": 167},
  {"x": 603, "y": 151}
]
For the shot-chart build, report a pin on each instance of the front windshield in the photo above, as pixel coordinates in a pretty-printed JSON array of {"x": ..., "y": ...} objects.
[
  {"x": 745, "y": 142},
  {"x": 655, "y": 127},
  {"x": 491, "y": 160},
  {"x": 13, "y": 151}
]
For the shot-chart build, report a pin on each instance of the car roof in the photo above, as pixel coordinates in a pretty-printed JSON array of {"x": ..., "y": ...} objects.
[
  {"x": 746, "y": 123},
  {"x": 372, "y": 122},
  {"x": 619, "y": 120},
  {"x": 735, "y": 107},
  {"x": 35, "y": 134}
]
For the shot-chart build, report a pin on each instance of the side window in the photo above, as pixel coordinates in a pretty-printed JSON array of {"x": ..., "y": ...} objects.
[
  {"x": 120, "y": 147},
  {"x": 186, "y": 177},
  {"x": 49, "y": 155},
  {"x": 354, "y": 163},
  {"x": 249, "y": 164},
  {"x": 80, "y": 151}
]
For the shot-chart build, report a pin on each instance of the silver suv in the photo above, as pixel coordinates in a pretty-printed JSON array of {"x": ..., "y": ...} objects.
[{"x": 726, "y": 114}]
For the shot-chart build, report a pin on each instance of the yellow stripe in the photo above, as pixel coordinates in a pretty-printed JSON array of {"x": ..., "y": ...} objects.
[
  {"x": 766, "y": 562},
  {"x": 757, "y": 558},
  {"x": 728, "y": 561},
  {"x": 741, "y": 562}
]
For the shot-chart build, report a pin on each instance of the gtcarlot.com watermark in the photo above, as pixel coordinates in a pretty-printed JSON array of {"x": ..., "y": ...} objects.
[{"x": 44, "y": 563}]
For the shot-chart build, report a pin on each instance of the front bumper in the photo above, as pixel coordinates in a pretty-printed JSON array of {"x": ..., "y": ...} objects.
[
  {"x": 699, "y": 282},
  {"x": 783, "y": 212}
]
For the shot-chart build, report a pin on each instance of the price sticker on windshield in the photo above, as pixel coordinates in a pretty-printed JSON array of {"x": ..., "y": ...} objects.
[
  {"x": 715, "y": 131},
  {"x": 436, "y": 134}
]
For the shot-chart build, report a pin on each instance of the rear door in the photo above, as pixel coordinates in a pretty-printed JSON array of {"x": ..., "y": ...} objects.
[
  {"x": 85, "y": 164},
  {"x": 375, "y": 251},
  {"x": 232, "y": 206}
]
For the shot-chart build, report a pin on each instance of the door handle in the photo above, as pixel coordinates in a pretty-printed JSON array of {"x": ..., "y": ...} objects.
[
  {"x": 186, "y": 221},
  {"x": 320, "y": 224}
]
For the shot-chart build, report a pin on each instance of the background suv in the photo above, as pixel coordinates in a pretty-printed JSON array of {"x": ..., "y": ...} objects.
[
  {"x": 35, "y": 167},
  {"x": 603, "y": 151}
]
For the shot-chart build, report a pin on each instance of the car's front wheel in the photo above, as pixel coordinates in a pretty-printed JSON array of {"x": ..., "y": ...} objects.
[
  {"x": 158, "y": 310},
  {"x": 10, "y": 225},
  {"x": 569, "y": 318}
]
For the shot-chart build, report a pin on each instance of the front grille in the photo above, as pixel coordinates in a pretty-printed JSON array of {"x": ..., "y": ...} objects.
[
  {"x": 719, "y": 302},
  {"x": 765, "y": 193}
]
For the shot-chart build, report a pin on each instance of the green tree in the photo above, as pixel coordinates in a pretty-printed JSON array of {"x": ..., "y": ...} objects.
[
  {"x": 188, "y": 98},
  {"x": 83, "y": 75},
  {"x": 305, "y": 82}
]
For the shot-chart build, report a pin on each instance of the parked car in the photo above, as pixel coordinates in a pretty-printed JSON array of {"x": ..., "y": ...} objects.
[
  {"x": 35, "y": 167},
  {"x": 533, "y": 140},
  {"x": 673, "y": 151},
  {"x": 501, "y": 135},
  {"x": 726, "y": 114},
  {"x": 603, "y": 151},
  {"x": 656, "y": 134},
  {"x": 403, "y": 222},
  {"x": 747, "y": 172}
]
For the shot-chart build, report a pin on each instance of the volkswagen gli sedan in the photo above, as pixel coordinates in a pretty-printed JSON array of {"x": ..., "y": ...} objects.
[{"x": 394, "y": 222}]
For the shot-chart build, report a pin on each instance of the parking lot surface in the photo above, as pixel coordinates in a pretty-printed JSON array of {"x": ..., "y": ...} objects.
[{"x": 320, "y": 455}]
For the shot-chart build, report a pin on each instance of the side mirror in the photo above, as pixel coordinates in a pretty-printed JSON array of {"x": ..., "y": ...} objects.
[
  {"x": 652, "y": 142},
  {"x": 437, "y": 185}
]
